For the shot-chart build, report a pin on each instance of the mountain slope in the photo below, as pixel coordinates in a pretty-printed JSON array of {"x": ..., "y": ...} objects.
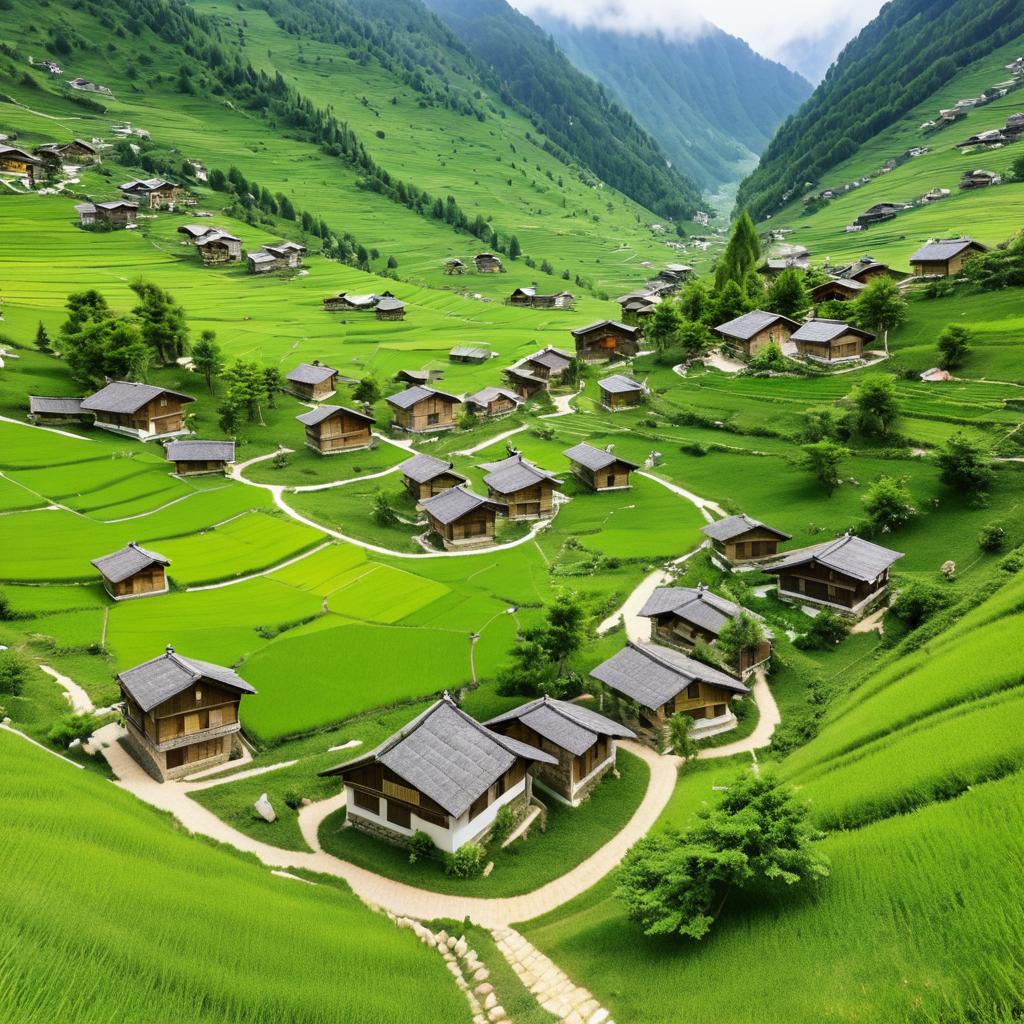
[
  {"x": 711, "y": 101},
  {"x": 575, "y": 112},
  {"x": 896, "y": 62}
]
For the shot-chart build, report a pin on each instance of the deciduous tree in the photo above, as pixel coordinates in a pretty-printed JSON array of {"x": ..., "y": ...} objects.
[
  {"x": 888, "y": 504},
  {"x": 965, "y": 467},
  {"x": 881, "y": 308},
  {"x": 954, "y": 345},
  {"x": 822, "y": 459},
  {"x": 877, "y": 406}
]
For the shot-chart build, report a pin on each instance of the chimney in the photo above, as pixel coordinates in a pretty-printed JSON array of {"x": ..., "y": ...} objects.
[
  {"x": 170, "y": 649},
  {"x": 608, "y": 448}
]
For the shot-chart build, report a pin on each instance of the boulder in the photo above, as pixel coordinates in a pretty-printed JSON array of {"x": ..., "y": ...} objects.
[
  {"x": 496, "y": 1013},
  {"x": 485, "y": 989},
  {"x": 482, "y": 975},
  {"x": 461, "y": 947},
  {"x": 264, "y": 808}
]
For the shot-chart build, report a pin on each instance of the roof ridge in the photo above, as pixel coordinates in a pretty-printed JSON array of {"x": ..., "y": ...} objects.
[{"x": 645, "y": 650}]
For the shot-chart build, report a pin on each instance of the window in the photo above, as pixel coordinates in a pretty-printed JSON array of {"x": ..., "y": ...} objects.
[
  {"x": 609, "y": 480},
  {"x": 367, "y": 801},
  {"x": 175, "y": 758},
  {"x": 399, "y": 815},
  {"x": 693, "y": 691},
  {"x": 199, "y": 695},
  {"x": 433, "y": 417},
  {"x": 719, "y": 710},
  {"x": 163, "y": 401}
]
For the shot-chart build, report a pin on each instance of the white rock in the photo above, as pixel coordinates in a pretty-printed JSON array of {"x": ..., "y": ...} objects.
[
  {"x": 496, "y": 1013},
  {"x": 264, "y": 808},
  {"x": 491, "y": 1001},
  {"x": 485, "y": 989},
  {"x": 452, "y": 942},
  {"x": 461, "y": 947},
  {"x": 482, "y": 975}
]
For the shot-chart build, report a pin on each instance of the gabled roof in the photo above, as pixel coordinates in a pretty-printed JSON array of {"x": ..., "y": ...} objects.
[
  {"x": 620, "y": 384},
  {"x": 448, "y": 756},
  {"x": 18, "y": 154},
  {"x": 283, "y": 248},
  {"x": 62, "y": 406},
  {"x": 146, "y": 185},
  {"x": 522, "y": 373},
  {"x": 553, "y": 358},
  {"x": 388, "y": 305},
  {"x": 862, "y": 266},
  {"x": 216, "y": 235},
  {"x": 487, "y": 395},
  {"x": 325, "y": 412},
  {"x": 127, "y": 396},
  {"x": 624, "y": 328},
  {"x": 735, "y": 526},
  {"x": 162, "y": 678},
  {"x": 413, "y": 376},
  {"x": 515, "y": 473},
  {"x": 849, "y": 283},
  {"x": 262, "y": 256},
  {"x": 423, "y": 468},
  {"x": 451, "y": 505},
  {"x": 595, "y": 458},
  {"x": 652, "y": 675},
  {"x": 570, "y": 726},
  {"x": 470, "y": 352},
  {"x": 528, "y": 292},
  {"x": 820, "y": 331},
  {"x": 852, "y": 556},
  {"x": 418, "y": 393},
  {"x": 196, "y": 230},
  {"x": 944, "y": 249},
  {"x": 746, "y": 326},
  {"x": 132, "y": 558},
  {"x": 695, "y": 604},
  {"x": 200, "y": 451},
  {"x": 311, "y": 373}
]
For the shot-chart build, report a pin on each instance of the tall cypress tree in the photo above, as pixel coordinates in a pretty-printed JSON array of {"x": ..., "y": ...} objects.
[{"x": 742, "y": 252}]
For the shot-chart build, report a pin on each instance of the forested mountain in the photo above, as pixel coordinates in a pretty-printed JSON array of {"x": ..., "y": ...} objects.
[
  {"x": 711, "y": 102},
  {"x": 575, "y": 112},
  {"x": 899, "y": 59}
]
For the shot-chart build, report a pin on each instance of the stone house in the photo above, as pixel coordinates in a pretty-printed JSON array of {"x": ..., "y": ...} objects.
[{"x": 134, "y": 571}]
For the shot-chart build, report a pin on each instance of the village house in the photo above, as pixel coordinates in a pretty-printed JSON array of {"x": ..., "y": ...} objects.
[
  {"x": 78, "y": 151},
  {"x": 45, "y": 410},
  {"x": 529, "y": 298},
  {"x": 454, "y": 266},
  {"x": 830, "y": 341},
  {"x": 425, "y": 476},
  {"x": 524, "y": 383},
  {"x": 474, "y": 354},
  {"x": 525, "y": 491},
  {"x": 606, "y": 339},
  {"x": 662, "y": 682},
  {"x": 84, "y": 85},
  {"x": 740, "y": 539},
  {"x": 548, "y": 364},
  {"x": 347, "y": 302},
  {"x": 979, "y": 179},
  {"x": 487, "y": 263},
  {"x": 491, "y": 402},
  {"x": 866, "y": 269},
  {"x": 269, "y": 258},
  {"x": 312, "y": 382},
  {"x": 675, "y": 274},
  {"x": 796, "y": 258},
  {"x": 422, "y": 410},
  {"x": 331, "y": 429},
  {"x": 944, "y": 257},
  {"x": 637, "y": 306},
  {"x": 686, "y": 616},
  {"x": 581, "y": 740},
  {"x": 992, "y": 137},
  {"x": 133, "y": 572},
  {"x": 17, "y": 161},
  {"x": 118, "y": 213},
  {"x": 390, "y": 308},
  {"x": 880, "y": 212},
  {"x": 194, "y": 458},
  {"x": 181, "y": 714},
  {"x": 747, "y": 335},
  {"x": 153, "y": 193},
  {"x": 461, "y": 518},
  {"x": 142, "y": 411},
  {"x": 419, "y": 376},
  {"x": 215, "y": 246},
  {"x": 847, "y": 575},
  {"x": 598, "y": 468},
  {"x": 444, "y": 774},
  {"x": 619, "y": 392},
  {"x": 837, "y": 289}
]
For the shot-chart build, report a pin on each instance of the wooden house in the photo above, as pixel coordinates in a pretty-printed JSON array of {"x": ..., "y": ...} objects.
[
  {"x": 425, "y": 476},
  {"x": 637, "y": 306},
  {"x": 598, "y": 468},
  {"x": 619, "y": 392},
  {"x": 181, "y": 714},
  {"x": 133, "y": 572},
  {"x": 525, "y": 491},
  {"x": 475, "y": 354},
  {"x": 524, "y": 383},
  {"x": 747, "y": 335},
  {"x": 979, "y": 179},
  {"x": 423, "y": 410},
  {"x": 56, "y": 154},
  {"x": 675, "y": 274},
  {"x": 548, "y": 364},
  {"x": 390, "y": 308},
  {"x": 153, "y": 193},
  {"x": 660, "y": 682},
  {"x": 349, "y": 302},
  {"x": 686, "y": 616},
  {"x": 269, "y": 258},
  {"x": 444, "y": 774},
  {"x": 194, "y": 458},
  {"x": 879, "y": 212},
  {"x": 830, "y": 341},
  {"x": 582, "y": 741},
  {"x": 45, "y": 410},
  {"x": 837, "y": 289},
  {"x": 606, "y": 339},
  {"x": 944, "y": 257},
  {"x": 331, "y": 429},
  {"x": 740, "y": 539},
  {"x": 454, "y": 266},
  {"x": 312, "y": 382},
  {"x": 215, "y": 247},
  {"x": 17, "y": 161},
  {"x": 847, "y": 575},
  {"x": 461, "y": 518},
  {"x": 490, "y": 403},
  {"x": 419, "y": 376},
  {"x": 118, "y": 213},
  {"x": 531, "y": 299},
  {"x": 487, "y": 263},
  {"x": 142, "y": 411},
  {"x": 867, "y": 269}
]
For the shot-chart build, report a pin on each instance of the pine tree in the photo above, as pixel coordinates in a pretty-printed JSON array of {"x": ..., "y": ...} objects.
[
  {"x": 207, "y": 358},
  {"x": 42, "y": 338},
  {"x": 742, "y": 253}
]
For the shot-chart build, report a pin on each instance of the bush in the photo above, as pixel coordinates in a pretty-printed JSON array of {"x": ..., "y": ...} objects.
[
  {"x": 465, "y": 862},
  {"x": 73, "y": 727},
  {"x": 827, "y": 630},
  {"x": 504, "y": 824},
  {"x": 1013, "y": 562},
  {"x": 917, "y": 602},
  {"x": 421, "y": 846},
  {"x": 694, "y": 448},
  {"x": 991, "y": 538},
  {"x": 13, "y": 672},
  {"x": 280, "y": 460},
  {"x": 293, "y": 799}
]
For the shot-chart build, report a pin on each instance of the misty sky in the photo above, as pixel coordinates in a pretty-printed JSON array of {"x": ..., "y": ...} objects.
[{"x": 780, "y": 29}]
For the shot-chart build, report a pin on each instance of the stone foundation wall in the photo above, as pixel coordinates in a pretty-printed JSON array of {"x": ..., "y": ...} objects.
[{"x": 588, "y": 787}]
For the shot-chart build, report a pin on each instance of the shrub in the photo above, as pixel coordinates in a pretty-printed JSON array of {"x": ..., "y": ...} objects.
[
  {"x": 73, "y": 727},
  {"x": 504, "y": 823},
  {"x": 293, "y": 799},
  {"x": 770, "y": 358},
  {"x": 1013, "y": 562},
  {"x": 694, "y": 448},
  {"x": 827, "y": 630},
  {"x": 917, "y": 602},
  {"x": 991, "y": 538},
  {"x": 13, "y": 672},
  {"x": 465, "y": 862},
  {"x": 421, "y": 846},
  {"x": 383, "y": 512},
  {"x": 280, "y": 460}
]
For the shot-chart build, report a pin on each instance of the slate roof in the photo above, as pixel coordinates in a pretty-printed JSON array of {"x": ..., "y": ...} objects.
[
  {"x": 734, "y": 526},
  {"x": 515, "y": 473},
  {"x": 820, "y": 331},
  {"x": 413, "y": 376},
  {"x": 310, "y": 373},
  {"x": 448, "y": 756},
  {"x": 470, "y": 352},
  {"x": 325, "y": 412},
  {"x": 451, "y": 505},
  {"x": 487, "y": 395},
  {"x": 850, "y": 283},
  {"x": 18, "y": 154},
  {"x": 196, "y": 230},
  {"x": 261, "y": 257},
  {"x": 57, "y": 406},
  {"x": 146, "y": 184},
  {"x": 652, "y": 675},
  {"x": 127, "y": 396},
  {"x": 417, "y": 393},
  {"x": 216, "y": 235},
  {"x": 389, "y": 305},
  {"x": 852, "y": 556},
  {"x": 625, "y": 328},
  {"x": 745, "y": 327},
  {"x": 423, "y": 468},
  {"x": 200, "y": 451},
  {"x": 132, "y": 558},
  {"x": 162, "y": 678},
  {"x": 620, "y": 384},
  {"x": 570, "y": 726},
  {"x": 554, "y": 359},
  {"x": 523, "y": 374},
  {"x": 594, "y": 458},
  {"x": 943, "y": 249},
  {"x": 695, "y": 604}
]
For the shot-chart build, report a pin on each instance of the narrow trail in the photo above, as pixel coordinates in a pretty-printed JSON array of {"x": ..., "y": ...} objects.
[
  {"x": 706, "y": 507},
  {"x": 81, "y": 703},
  {"x": 769, "y": 720},
  {"x": 264, "y": 572}
]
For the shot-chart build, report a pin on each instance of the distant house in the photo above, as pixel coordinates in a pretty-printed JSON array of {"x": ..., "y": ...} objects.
[
  {"x": 215, "y": 246},
  {"x": 192, "y": 458},
  {"x": 444, "y": 774},
  {"x": 830, "y": 341},
  {"x": 598, "y": 468},
  {"x": 637, "y": 306},
  {"x": 492, "y": 402},
  {"x": 331, "y": 429},
  {"x": 469, "y": 354},
  {"x": 133, "y": 571},
  {"x": 84, "y": 85},
  {"x": 57, "y": 410},
  {"x": 936, "y": 376},
  {"x": 880, "y": 212},
  {"x": 422, "y": 410},
  {"x": 181, "y": 713},
  {"x": 751, "y": 333},
  {"x": 525, "y": 491},
  {"x": 530, "y": 298},
  {"x": 944, "y": 257},
  {"x": 992, "y": 137},
  {"x": 78, "y": 151},
  {"x": 685, "y": 616},
  {"x": 119, "y": 213},
  {"x": 461, "y": 518},
  {"x": 285, "y": 256},
  {"x": 426, "y": 476},
  {"x": 17, "y": 161},
  {"x": 739, "y": 539},
  {"x": 797, "y": 258},
  {"x": 348, "y": 302},
  {"x": 866, "y": 269},
  {"x": 837, "y": 289},
  {"x": 848, "y": 574},
  {"x": 142, "y": 411},
  {"x": 582, "y": 741},
  {"x": 153, "y": 193},
  {"x": 312, "y": 382},
  {"x": 675, "y": 274},
  {"x": 548, "y": 364},
  {"x": 487, "y": 263},
  {"x": 390, "y": 309},
  {"x": 454, "y": 266},
  {"x": 606, "y": 339},
  {"x": 524, "y": 383},
  {"x": 662, "y": 682},
  {"x": 620, "y": 392},
  {"x": 418, "y": 376},
  {"x": 979, "y": 179}
]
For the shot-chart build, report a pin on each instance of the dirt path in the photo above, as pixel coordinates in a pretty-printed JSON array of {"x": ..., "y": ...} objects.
[
  {"x": 264, "y": 572},
  {"x": 706, "y": 507},
  {"x": 762, "y": 735},
  {"x": 491, "y": 441},
  {"x": 81, "y": 703}
]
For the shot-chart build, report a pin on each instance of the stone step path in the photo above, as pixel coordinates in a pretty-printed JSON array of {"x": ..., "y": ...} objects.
[{"x": 553, "y": 988}]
